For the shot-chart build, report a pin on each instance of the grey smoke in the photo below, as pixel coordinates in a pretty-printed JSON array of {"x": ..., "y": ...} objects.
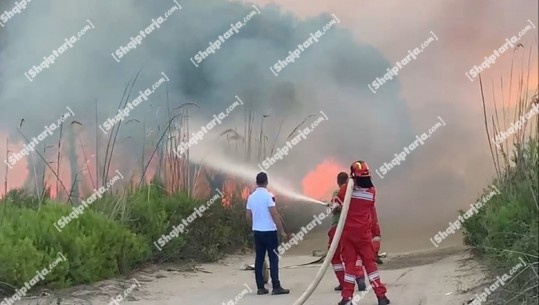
[{"x": 332, "y": 76}]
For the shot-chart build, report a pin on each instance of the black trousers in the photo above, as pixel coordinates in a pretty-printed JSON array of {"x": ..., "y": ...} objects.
[{"x": 266, "y": 241}]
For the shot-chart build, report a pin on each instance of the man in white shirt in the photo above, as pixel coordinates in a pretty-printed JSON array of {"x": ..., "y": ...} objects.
[{"x": 264, "y": 219}]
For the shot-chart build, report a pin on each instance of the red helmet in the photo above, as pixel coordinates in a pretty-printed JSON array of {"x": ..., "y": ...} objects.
[{"x": 359, "y": 169}]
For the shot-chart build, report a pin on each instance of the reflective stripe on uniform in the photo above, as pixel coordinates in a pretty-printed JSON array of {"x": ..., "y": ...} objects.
[
  {"x": 374, "y": 276},
  {"x": 360, "y": 194},
  {"x": 338, "y": 267},
  {"x": 349, "y": 278}
]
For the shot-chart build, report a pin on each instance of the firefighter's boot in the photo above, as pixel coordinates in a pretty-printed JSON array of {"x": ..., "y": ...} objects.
[
  {"x": 345, "y": 302},
  {"x": 383, "y": 301},
  {"x": 361, "y": 286}
]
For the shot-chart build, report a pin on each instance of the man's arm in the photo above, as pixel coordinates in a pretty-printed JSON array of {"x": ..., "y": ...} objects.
[
  {"x": 341, "y": 194},
  {"x": 335, "y": 203},
  {"x": 375, "y": 227},
  {"x": 374, "y": 217},
  {"x": 276, "y": 218},
  {"x": 249, "y": 214},
  {"x": 374, "y": 222}
]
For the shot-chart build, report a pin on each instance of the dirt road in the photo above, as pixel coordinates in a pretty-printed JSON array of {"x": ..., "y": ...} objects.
[{"x": 439, "y": 277}]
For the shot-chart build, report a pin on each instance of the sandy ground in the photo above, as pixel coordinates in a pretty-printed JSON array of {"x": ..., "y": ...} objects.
[{"x": 434, "y": 277}]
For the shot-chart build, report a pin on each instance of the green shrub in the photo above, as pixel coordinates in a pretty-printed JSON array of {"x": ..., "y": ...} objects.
[
  {"x": 22, "y": 198},
  {"x": 95, "y": 248},
  {"x": 217, "y": 231},
  {"x": 114, "y": 236},
  {"x": 507, "y": 227},
  {"x": 156, "y": 217}
]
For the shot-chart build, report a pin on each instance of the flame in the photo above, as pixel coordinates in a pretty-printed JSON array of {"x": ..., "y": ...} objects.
[
  {"x": 245, "y": 193},
  {"x": 317, "y": 184},
  {"x": 322, "y": 181},
  {"x": 231, "y": 189},
  {"x": 19, "y": 172}
]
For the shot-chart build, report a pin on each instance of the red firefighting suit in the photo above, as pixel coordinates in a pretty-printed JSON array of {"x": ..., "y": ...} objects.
[
  {"x": 357, "y": 239},
  {"x": 336, "y": 260}
]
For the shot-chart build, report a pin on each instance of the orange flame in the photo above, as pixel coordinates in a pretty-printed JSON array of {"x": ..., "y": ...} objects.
[{"x": 322, "y": 181}]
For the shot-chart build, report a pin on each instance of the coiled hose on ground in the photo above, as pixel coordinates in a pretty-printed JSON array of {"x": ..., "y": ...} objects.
[{"x": 309, "y": 291}]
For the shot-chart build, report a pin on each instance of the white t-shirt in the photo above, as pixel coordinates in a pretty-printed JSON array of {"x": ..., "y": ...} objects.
[{"x": 259, "y": 203}]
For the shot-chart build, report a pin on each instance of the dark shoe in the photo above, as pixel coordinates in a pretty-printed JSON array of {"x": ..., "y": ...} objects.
[
  {"x": 361, "y": 284},
  {"x": 262, "y": 291},
  {"x": 280, "y": 290},
  {"x": 345, "y": 302},
  {"x": 383, "y": 301},
  {"x": 338, "y": 288},
  {"x": 379, "y": 261}
]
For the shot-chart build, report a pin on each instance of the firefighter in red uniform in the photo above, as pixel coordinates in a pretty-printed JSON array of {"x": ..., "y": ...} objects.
[
  {"x": 357, "y": 236},
  {"x": 336, "y": 261},
  {"x": 376, "y": 240}
]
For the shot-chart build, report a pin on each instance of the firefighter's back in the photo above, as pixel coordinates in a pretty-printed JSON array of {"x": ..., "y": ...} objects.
[{"x": 359, "y": 213}]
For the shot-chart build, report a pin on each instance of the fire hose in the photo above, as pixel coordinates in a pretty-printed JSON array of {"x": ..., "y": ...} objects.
[{"x": 310, "y": 289}]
